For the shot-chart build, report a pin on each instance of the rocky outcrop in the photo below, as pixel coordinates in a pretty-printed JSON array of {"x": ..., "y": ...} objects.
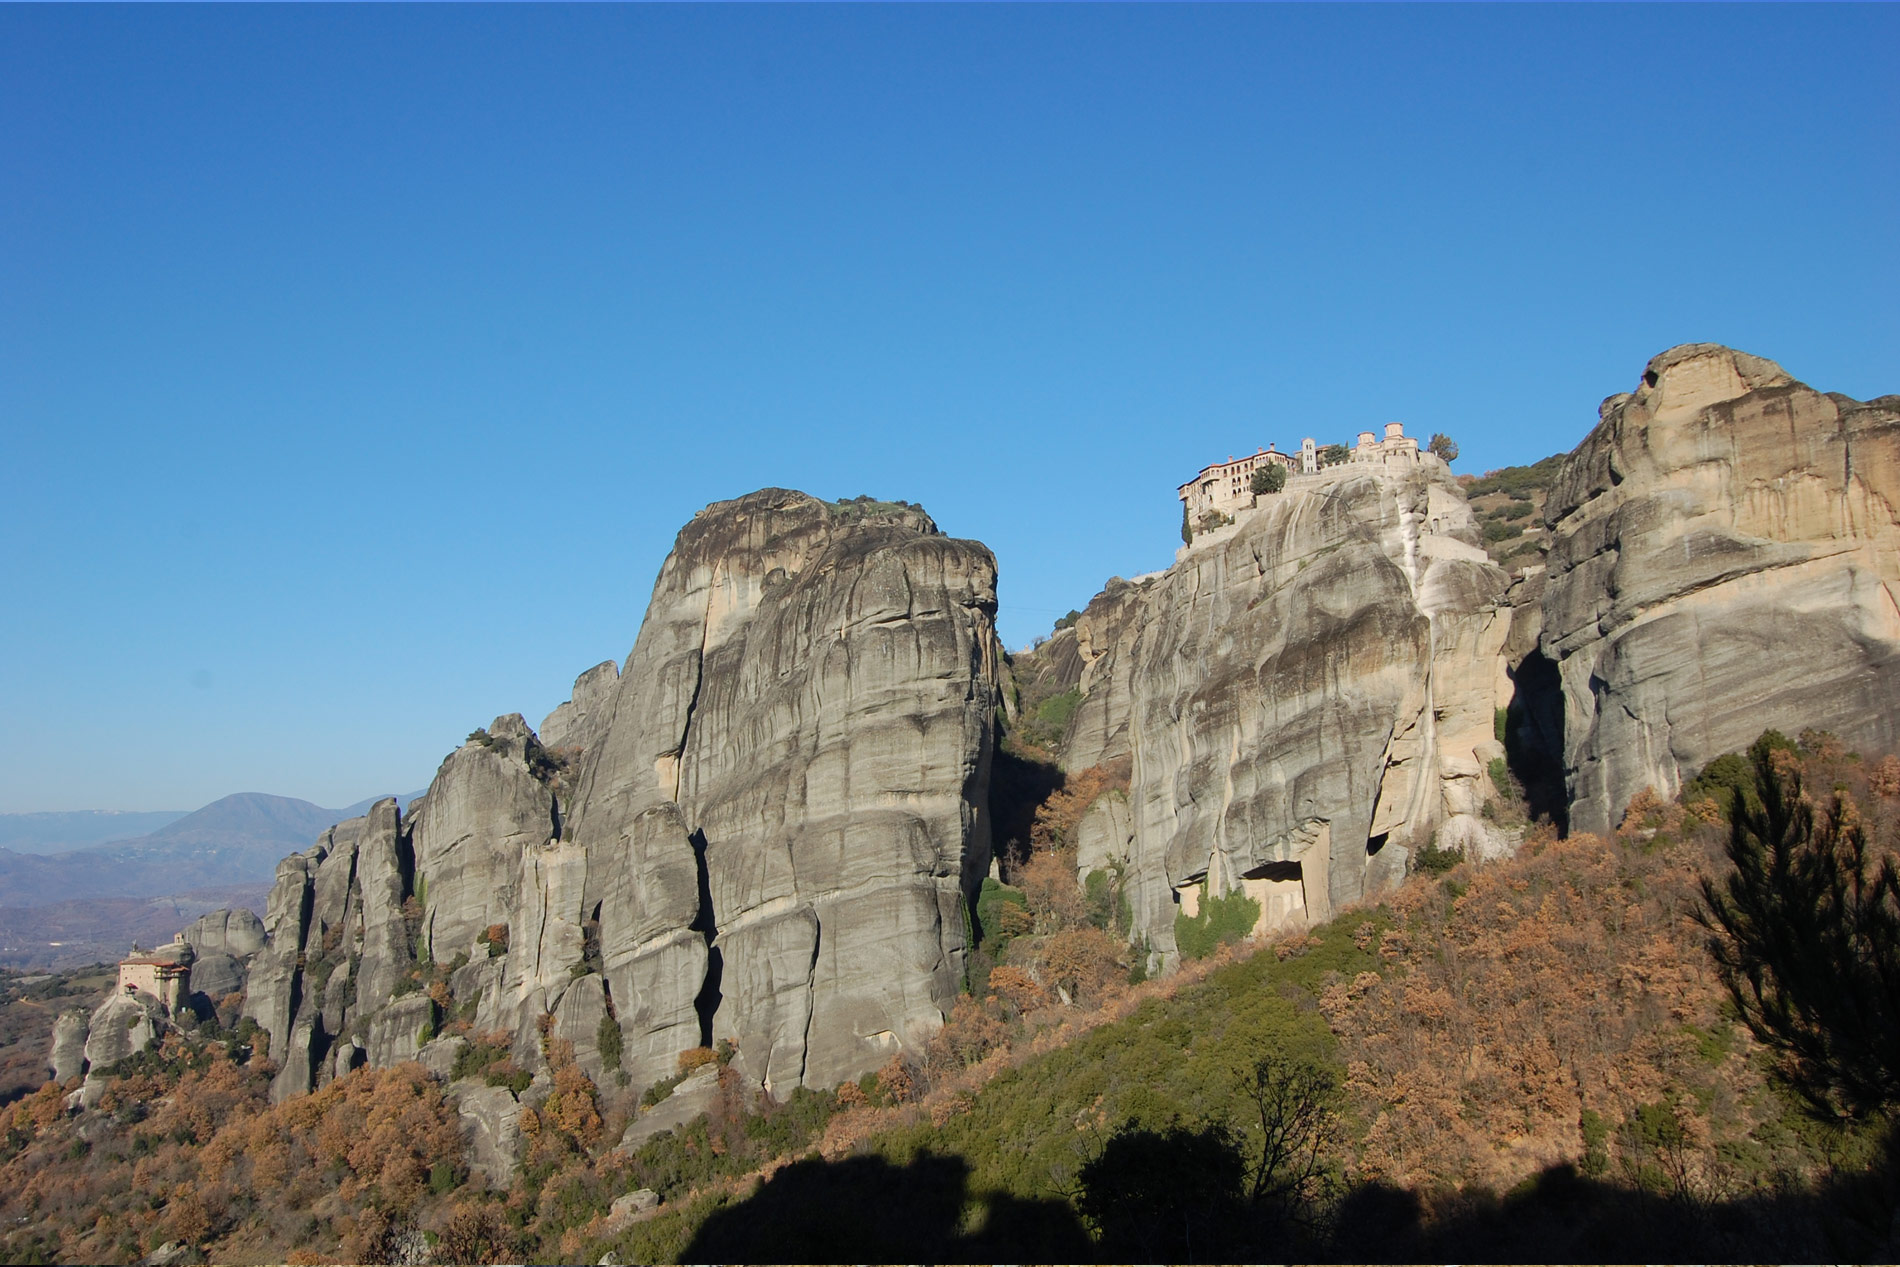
[
  {"x": 224, "y": 943},
  {"x": 784, "y": 815},
  {"x": 1303, "y": 700},
  {"x": 577, "y": 723},
  {"x": 122, "y": 1025},
  {"x": 1724, "y": 559},
  {"x": 491, "y": 1125},
  {"x": 764, "y": 830},
  {"x": 486, "y": 807},
  {"x": 340, "y": 939},
  {"x": 238, "y": 933},
  {"x": 67, "y": 1058}
]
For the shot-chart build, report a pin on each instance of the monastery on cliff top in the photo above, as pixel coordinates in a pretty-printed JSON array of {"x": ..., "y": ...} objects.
[{"x": 1226, "y": 486}]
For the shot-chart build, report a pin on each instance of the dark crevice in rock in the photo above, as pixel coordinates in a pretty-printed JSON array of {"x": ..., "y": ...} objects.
[
  {"x": 405, "y": 861},
  {"x": 706, "y": 924},
  {"x": 1375, "y": 843},
  {"x": 811, "y": 994},
  {"x": 1534, "y": 738}
]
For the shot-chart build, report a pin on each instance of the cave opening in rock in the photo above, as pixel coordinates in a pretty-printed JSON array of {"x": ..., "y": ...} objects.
[{"x": 1534, "y": 739}]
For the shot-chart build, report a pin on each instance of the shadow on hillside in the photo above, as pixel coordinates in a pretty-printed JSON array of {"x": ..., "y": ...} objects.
[
  {"x": 866, "y": 1210},
  {"x": 1172, "y": 1203}
]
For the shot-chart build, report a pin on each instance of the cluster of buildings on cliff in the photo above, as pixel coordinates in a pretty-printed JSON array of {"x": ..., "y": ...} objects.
[{"x": 1226, "y": 486}]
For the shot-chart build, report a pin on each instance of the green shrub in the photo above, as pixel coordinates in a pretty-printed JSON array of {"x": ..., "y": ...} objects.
[
  {"x": 1220, "y": 921},
  {"x": 1596, "y": 1135},
  {"x": 989, "y": 903},
  {"x": 660, "y": 1090},
  {"x": 1270, "y": 478},
  {"x": 1519, "y": 479},
  {"x": 1431, "y": 860},
  {"x": 609, "y": 1039},
  {"x": 1107, "y": 901},
  {"x": 1500, "y": 773},
  {"x": 1496, "y": 530}
]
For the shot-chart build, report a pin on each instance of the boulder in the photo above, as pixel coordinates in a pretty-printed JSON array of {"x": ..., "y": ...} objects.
[
  {"x": 693, "y": 1096},
  {"x": 122, "y": 1025},
  {"x": 491, "y": 1118},
  {"x": 395, "y": 1030},
  {"x": 438, "y": 1055},
  {"x": 239, "y": 933},
  {"x": 67, "y": 1057}
]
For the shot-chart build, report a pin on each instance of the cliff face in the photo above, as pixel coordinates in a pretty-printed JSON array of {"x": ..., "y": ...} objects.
[
  {"x": 764, "y": 830},
  {"x": 1724, "y": 559},
  {"x": 1303, "y": 700},
  {"x": 789, "y": 789}
]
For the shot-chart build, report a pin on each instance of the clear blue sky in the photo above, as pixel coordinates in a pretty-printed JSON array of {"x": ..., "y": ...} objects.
[{"x": 358, "y": 365}]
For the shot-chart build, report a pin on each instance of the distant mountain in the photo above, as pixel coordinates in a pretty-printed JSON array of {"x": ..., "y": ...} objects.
[
  {"x": 63, "y": 832},
  {"x": 236, "y": 840}
]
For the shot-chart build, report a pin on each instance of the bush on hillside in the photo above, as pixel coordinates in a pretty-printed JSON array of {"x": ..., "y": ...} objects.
[{"x": 1220, "y": 921}]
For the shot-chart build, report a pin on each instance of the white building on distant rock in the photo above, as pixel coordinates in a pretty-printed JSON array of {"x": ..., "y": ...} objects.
[
  {"x": 1217, "y": 496},
  {"x": 165, "y": 973},
  {"x": 1228, "y": 487}
]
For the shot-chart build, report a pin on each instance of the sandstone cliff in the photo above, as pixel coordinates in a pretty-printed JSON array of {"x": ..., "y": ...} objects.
[
  {"x": 1724, "y": 559},
  {"x": 1303, "y": 700},
  {"x": 764, "y": 830}
]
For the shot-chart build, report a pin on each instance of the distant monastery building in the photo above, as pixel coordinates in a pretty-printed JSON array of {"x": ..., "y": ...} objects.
[
  {"x": 1228, "y": 486},
  {"x": 165, "y": 973}
]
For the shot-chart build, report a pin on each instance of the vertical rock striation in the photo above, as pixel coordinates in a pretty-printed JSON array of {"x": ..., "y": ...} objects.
[
  {"x": 1302, "y": 700},
  {"x": 765, "y": 830},
  {"x": 783, "y": 817},
  {"x": 1724, "y": 559}
]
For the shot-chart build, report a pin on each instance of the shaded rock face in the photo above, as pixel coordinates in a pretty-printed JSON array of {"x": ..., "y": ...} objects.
[
  {"x": 1724, "y": 559},
  {"x": 783, "y": 816},
  {"x": 764, "y": 830},
  {"x": 1303, "y": 701},
  {"x": 335, "y": 919}
]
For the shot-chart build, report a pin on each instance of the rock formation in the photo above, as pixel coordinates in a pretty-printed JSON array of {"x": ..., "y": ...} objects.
[
  {"x": 1303, "y": 699},
  {"x": 1724, "y": 559},
  {"x": 791, "y": 788},
  {"x": 766, "y": 827},
  {"x": 765, "y": 830}
]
